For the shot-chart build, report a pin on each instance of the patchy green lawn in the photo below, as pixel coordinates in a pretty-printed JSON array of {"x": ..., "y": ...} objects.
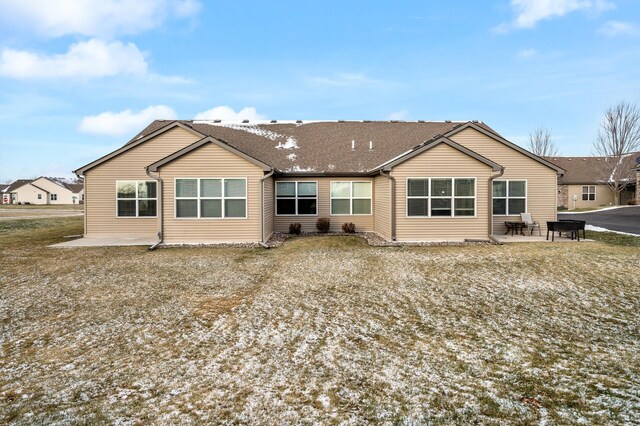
[{"x": 320, "y": 330}]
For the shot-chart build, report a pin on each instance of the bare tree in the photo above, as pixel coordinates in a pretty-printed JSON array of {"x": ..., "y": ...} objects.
[
  {"x": 618, "y": 137},
  {"x": 542, "y": 144}
]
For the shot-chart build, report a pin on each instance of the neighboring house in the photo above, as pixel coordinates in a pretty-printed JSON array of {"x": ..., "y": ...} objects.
[
  {"x": 4, "y": 199},
  {"x": 9, "y": 195},
  {"x": 208, "y": 181},
  {"x": 44, "y": 190},
  {"x": 583, "y": 185}
]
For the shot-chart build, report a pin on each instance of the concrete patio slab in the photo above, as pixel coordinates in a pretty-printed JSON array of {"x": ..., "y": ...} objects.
[
  {"x": 508, "y": 239},
  {"x": 112, "y": 241}
]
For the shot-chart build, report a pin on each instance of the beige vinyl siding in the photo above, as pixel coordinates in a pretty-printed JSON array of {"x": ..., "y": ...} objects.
[
  {"x": 362, "y": 222},
  {"x": 100, "y": 185},
  {"x": 269, "y": 207},
  {"x": 541, "y": 180},
  {"x": 442, "y": 161},
  {"x": 211, "y": 161},
  {"x": 604, "y": 197},
  {"x": 29, "y": 194},
  {"x": 64, "y": 195},
  {"x": 382, "y": 206}
]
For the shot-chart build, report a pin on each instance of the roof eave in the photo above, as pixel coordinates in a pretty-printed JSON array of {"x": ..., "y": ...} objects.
[
  {"x": 154, "y": 167},
  {"x": 82, "y": 170},
  {"x": 433, "y": 143},
  {"x": 499, "y": 138}
]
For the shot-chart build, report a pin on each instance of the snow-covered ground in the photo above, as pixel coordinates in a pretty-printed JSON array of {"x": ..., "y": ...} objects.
[
  {"x": 600, "y": 229},
  {"x": 320, "y": 331}
]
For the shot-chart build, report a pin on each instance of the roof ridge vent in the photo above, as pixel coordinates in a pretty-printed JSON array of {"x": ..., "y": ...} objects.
[
  {"x": 274, "y": 121},
  {"x": 245, "y": 121},
  {"x": 217, "y": 121},
  {"x": 447, "y": 121},
  {"x": 421, "y": 121},
  {"x": 341, "y": 121},
  {"x": 299, "y": 121}
]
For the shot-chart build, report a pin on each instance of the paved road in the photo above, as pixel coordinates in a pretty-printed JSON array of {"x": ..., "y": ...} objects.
[{"x": 624, "y": 219}]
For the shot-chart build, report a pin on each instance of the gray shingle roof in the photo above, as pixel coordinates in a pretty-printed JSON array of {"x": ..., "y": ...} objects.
[
  {"x": 320, "y": 147},
  {"x": 16, "y": 184},
  {"x": 588, "y": 170}
]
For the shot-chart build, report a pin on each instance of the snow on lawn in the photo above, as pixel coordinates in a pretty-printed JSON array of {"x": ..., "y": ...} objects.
[
  {"x": 320, "y": 331},
  {"x": 599, "y": 229}
]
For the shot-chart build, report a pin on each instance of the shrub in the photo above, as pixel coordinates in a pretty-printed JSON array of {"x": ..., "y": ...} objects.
[
  {"x": 294, "y": 228},
  {"x": 562, "y": 208},
  {"x": 632, "y": 202},
  {"x": 349, "y": 228},
  {"x": 323, "y": 224}
]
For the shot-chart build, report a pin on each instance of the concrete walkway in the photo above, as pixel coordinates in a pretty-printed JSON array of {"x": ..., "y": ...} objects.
[{"x": 106, "y": 242}]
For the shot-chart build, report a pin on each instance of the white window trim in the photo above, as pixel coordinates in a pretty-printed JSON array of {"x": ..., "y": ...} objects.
[
  {"x": 589, "y": 193},
  {"x": 198, "y": 198},
  {"x": 350, "y": 197},
  {"x": 296, "y": 198},
  {"x": 51, "y": 197},
  {"x": 452, "y": 197},
  {"x": 136, "y": 199},
  {"x": 526, "y": 196}
]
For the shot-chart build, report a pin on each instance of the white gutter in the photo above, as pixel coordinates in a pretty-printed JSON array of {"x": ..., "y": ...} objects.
[
  {"x": 158, "y": 208},
  {"x": 491, "y": 179},
  {"x": 262, "y": 179}
]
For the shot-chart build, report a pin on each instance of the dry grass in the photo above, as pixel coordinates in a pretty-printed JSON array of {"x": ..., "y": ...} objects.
[{"x": 320, "y": 330}]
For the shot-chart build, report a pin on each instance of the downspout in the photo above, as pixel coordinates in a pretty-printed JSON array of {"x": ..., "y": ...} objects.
[
  {"x": 158, "y": 207},
  {"x": 491, "y": 179},
  {"x": 262, "y": 179},
  {"x": 392, "y": 180}
]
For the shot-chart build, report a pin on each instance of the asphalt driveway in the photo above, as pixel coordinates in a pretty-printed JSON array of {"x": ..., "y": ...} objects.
[{"x": 624, "y": 219}]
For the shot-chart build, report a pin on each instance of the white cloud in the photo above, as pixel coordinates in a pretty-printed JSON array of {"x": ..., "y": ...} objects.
[
  {"x": 227, "y": 113},
  {"x": 88, "y": 59},
  {"x": 342, "y": 80},
  {"x": 398, "y": 115},
  {"x": 616, "y": 28},
  {"x": 124, "y": 122},
  {"x": 104, "y": 18},
  {"x": 530, "y": 12},
  {"x": 526, "y": 53}
]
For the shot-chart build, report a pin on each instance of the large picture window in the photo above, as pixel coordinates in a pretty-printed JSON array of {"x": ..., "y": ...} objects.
[
  {"x": 589, "y": 193},
  {"x": 211, "y": 198},
  {"x": 136, "y": 198},
  {"x": 445, "y": 197},
  {"x": 509, "y": 197},
  {"x": 351, "y": 198},
  {"x": 296, "y": 198}
]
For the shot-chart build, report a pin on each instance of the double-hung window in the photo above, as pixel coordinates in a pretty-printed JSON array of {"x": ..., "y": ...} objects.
[
  {"x": 589, "y": 193},
  {"x": 211, "y": 198},
  {"x": 296, "y": 198},
  {"x": 509, "y": 197},
  {"x": 136, "y": 198},
  {"x": 54, "y": 197},
  {"x": 447, "y": 197},
  {"x": 351, "y": 198}
]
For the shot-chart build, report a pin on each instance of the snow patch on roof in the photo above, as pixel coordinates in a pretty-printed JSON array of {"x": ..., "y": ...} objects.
[
  {"x": 292, "y": 156},
  {"x": 291, "y": 143},
  {"x": 297, "y": 168}
]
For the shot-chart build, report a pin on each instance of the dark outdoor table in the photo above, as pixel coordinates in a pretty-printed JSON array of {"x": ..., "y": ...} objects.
[
  {"x": 517, "y": 226},
  {"x": 573, "y": 227},
  {"x": 581, "y": 225}
]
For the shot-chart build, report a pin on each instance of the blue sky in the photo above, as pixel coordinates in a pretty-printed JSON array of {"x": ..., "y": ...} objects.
[{"x": 78, "y": 78}]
